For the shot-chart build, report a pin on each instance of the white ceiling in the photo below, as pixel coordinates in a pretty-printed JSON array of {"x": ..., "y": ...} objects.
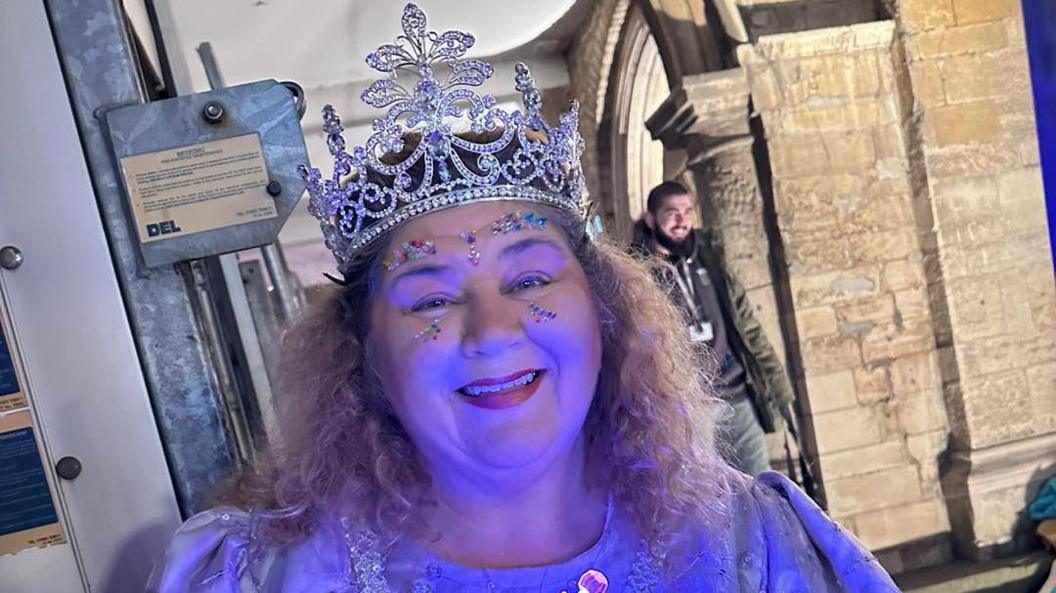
[{"x": 324, "y": 42}]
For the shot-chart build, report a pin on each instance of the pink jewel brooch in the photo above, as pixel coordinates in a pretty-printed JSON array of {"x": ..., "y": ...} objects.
[{"x": 593, "y": 581}]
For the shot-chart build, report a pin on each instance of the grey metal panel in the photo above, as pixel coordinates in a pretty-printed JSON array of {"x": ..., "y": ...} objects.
[
  {"x": 100, "y": 76},
  {"x": 249, "y": 324},
  {"x": 265, "y": 107},
  {"x": 265, "y": 308},
  {"x": 287, "y": 290},
  {"x": 72, "y": 337}
]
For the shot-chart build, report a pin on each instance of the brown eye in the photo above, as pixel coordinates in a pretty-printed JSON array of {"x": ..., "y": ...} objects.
[
  {"x": 431, "y": 302},
  {"x": 530, "y": 281}
]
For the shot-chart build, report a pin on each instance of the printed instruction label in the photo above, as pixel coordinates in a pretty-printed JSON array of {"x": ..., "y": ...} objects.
[{"x": 198, "y": 188}]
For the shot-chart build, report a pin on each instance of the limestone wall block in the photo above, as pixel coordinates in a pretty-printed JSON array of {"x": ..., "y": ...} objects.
[
  {"x": 813, "y": 322},
  {"x": 893, "y": 340},
  {"x": 831, "y": 391},
  {"x": 975, "y": 76},
  {"x": 901, "y": 274},
  {"x": 967, "y": 39},
  {"x": 872, "y": 382},
  {"x": 921, "y": 412},
  {"x": 887, "y": 527},
  {"x": 868, "y": 459},
  {"x": 885, "y": 488},
  {"x": 851, "y": 428},
  {"x": 980, "y": 158},
  {"x": 922, "y": 15},
  {"x": 830, "y": 353},
  {"x": 831, "y": 287},
  {"x": 976, "y": 122},
  {"x": 978, "y": 11},
  {"x": 915, "y": 373}
]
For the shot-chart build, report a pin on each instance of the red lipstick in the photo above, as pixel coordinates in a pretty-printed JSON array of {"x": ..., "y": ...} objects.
[{"x": 502, "y": 392}]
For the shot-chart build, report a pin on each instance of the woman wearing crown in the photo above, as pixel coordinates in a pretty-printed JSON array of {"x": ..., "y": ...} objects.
[{"x": 492, "y": 400}]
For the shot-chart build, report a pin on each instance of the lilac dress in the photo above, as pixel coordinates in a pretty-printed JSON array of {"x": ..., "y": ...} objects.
[{"x": 776, "y": 540}]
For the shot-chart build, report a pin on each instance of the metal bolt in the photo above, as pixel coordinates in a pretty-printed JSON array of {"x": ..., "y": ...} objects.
[
  {"x": 11, "y": 257},
  {"x": 274, "y": 188},
  {"x": 213, "y": 112},
  {"x": 68, "y": 468}
]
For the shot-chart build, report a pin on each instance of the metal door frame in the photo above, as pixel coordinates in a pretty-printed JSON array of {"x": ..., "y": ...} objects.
[{"x": 69, "y": 321}]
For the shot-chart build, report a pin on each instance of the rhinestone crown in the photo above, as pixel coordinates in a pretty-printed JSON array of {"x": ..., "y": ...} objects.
[{"x": 524, "y": 159}]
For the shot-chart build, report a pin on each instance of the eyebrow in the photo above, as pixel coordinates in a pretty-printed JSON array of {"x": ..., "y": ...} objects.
[
  {"x": 425, "y": 270},
  {"x": 528, "y": 243}
]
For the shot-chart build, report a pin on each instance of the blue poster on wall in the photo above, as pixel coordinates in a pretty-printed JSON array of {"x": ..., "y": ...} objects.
[
  {"x": 25, "y": 501},
  {"x": 8, "y": 380}
]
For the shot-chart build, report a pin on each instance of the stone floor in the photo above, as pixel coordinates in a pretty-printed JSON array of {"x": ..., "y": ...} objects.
[{"x": 1019, "y": 574}]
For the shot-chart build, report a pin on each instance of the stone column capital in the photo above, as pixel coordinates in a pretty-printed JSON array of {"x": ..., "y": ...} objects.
[{"x": 703, "y": 110}]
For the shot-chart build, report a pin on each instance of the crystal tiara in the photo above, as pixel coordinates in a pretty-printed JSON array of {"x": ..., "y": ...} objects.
[{"x": 414, "y": 163}]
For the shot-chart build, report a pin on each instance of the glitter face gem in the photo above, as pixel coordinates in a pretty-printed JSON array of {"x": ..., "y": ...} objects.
[
  {"x": 510, "y": 222},
  {"x": 518, "y": 221},
  {"x": 540, "y": 314},
  {"x": 430, "y": 333},
  {"x": 409, "y": 251},
  {"x": 470, "y": 238}
]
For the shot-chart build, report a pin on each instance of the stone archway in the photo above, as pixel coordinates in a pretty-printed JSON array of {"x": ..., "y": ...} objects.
[
  {"x": 631, "y": 161},
  {"x": 589, "y": 64},
  {"x": 688, "y": 35},
  {"x": 606, "y": 65}
]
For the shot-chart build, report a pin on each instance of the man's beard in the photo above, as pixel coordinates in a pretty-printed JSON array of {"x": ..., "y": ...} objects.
[{"x": 679, "y": 248}]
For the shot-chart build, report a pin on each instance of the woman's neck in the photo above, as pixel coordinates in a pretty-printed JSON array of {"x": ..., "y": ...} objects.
[{"x": 551, "y": 519}]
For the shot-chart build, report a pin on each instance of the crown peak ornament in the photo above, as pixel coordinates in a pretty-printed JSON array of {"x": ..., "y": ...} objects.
[{"x": 414, "y": 162}]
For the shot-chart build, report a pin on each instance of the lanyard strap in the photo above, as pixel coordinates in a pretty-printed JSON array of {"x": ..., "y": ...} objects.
[{"x": 689, "y": 292}]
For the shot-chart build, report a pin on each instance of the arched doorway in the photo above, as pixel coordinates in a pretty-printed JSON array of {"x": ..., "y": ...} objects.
[{"x": 631, "y": 162}]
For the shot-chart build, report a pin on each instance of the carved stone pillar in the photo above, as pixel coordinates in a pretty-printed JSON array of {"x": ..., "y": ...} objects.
[{"x": 834, "y": 108}]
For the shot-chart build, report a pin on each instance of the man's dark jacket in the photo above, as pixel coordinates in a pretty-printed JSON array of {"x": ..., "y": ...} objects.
[{"x": 767, "y": 383}]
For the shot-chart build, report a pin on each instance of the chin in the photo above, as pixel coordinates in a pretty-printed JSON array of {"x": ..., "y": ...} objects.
[{"x": 513, "y": 447}]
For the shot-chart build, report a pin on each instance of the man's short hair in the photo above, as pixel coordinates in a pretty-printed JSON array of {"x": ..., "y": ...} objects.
[{"x": 662, "y": 192}]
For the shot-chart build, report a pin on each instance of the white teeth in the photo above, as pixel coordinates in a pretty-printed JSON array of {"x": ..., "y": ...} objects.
[{"x": 487, "y": 389}]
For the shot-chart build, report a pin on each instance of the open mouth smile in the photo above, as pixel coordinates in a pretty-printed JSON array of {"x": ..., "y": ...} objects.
[{"x": 502, "y": 392}]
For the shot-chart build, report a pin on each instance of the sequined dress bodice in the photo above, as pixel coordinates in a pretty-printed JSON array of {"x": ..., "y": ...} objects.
[{"x": 775, "y": 539}]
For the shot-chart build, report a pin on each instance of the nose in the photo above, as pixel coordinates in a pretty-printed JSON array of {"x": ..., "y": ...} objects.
[{"x": 493, "y": 325}]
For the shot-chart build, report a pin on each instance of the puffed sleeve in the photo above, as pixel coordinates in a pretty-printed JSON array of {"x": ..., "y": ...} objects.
[
  {"x": 808, "y": 551},
  {"x": 212, "y": 552}
]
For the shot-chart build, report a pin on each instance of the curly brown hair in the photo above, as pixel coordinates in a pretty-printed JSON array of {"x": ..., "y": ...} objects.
[{"x": 650, "y": 430}]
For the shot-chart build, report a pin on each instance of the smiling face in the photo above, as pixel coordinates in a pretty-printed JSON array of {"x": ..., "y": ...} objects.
[
  {"x": 487, "y": 344},
  {"x": 674, "y": 218}
]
